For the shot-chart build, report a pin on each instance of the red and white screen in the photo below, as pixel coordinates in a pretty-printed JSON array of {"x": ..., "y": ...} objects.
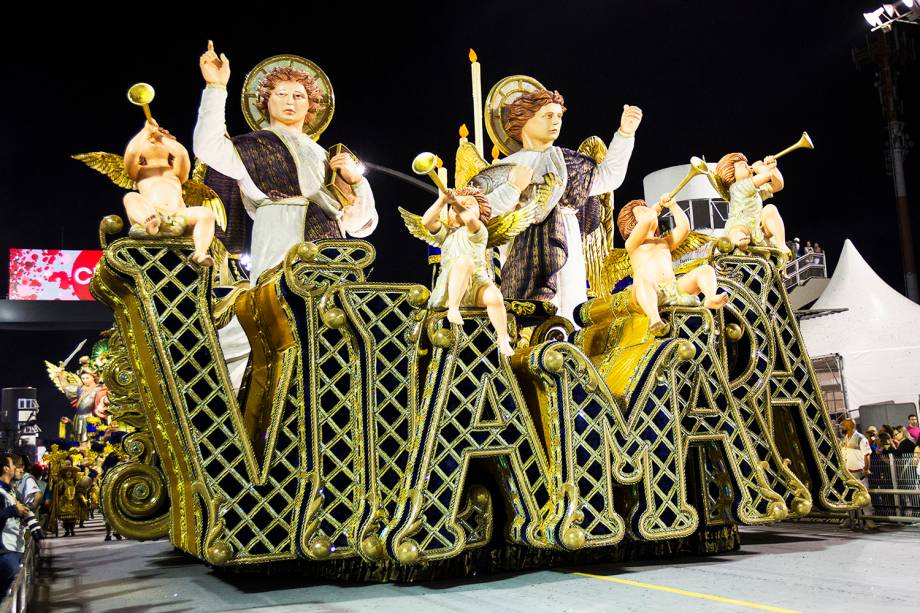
[{"x": 51, "y": 274}]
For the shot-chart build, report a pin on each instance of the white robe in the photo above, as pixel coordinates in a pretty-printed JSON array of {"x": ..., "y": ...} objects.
[
  {"x": 571, "y": 280},
  {"x": 277, "y": 226}
]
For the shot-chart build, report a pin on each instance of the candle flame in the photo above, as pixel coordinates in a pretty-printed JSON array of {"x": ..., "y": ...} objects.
[
  {"x": 464, "y": 131},
  {"x": 495, "y": 152},
  {"x": 473, "y": 56}
]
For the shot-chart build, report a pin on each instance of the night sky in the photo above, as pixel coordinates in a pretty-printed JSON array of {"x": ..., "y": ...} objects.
[{"x": 711, "y": 77}]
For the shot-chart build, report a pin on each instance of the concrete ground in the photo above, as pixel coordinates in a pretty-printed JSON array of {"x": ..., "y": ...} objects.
[{"x": 786, "y": 567}]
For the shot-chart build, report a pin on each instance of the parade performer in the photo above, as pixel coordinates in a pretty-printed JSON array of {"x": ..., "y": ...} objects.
[
  {"x": 749, "y": 221},
  {"x": 279, "y": 170},
  {"x": 650, "y": 256},
  {"x": 546, "y": 261},
  {"x": 462, "y": 232}
]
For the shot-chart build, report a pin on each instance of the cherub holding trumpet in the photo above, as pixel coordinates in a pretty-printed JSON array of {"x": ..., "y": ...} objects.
[
  {"x": 460, "y": 223},
  {"x": 749, "y": 221},
  {"x": 650, "y": 257}
]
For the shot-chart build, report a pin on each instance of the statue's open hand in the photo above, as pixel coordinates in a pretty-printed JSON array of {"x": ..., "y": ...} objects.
[
  {"x": 214, "y": 69},
  {"x": 520, "y": 176},
  {"x": 346, "y": 166},
  {"x": 631, "y": 118}
]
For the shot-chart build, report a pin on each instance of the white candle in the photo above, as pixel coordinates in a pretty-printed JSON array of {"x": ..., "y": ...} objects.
[{"x": 477, "y": 101}]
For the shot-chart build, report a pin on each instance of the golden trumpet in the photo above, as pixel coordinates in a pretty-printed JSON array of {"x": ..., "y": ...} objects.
[
  {"x": 427, "y": 163},
  {"x": 697, "y": 167},
  {"x": 142, "y": 95},
  {"x": 803, "y": 143}
]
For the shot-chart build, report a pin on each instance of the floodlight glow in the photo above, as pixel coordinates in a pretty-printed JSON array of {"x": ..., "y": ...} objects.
[
  {"x": 874, "y": 18},
  {"x": 908, "y": 3}
]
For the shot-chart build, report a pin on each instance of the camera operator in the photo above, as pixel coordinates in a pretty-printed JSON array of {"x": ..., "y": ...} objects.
[
  {"x": 27, "y": 490},
  {"x": 12, "y": 538}
]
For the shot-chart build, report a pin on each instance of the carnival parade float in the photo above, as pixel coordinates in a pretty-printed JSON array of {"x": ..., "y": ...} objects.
[{"x": 357, "y": 430}]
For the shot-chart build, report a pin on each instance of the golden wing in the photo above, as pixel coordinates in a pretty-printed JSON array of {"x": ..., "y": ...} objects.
[
  {"x": 198, "y": 171},
  {"x": 199, "y": 194},
  {"x": 616, "y": 268},
  {"x": 416, "y": 228},
  {"x": 694, "y": 241},
  {"x": 70, "y": 378},
  {"x": 597, "y": 244},
  {"x": 110, "y": 164},
  {"x": 508, "y": 225},
  {"x": 469, "y": 164}
]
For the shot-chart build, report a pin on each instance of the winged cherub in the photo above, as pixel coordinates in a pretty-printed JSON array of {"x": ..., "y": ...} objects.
[
  {"x": 460, "y": 223},
  {"x": 749, "y": 221},
  {"x": 650, "y": 256},
  {"x": 157, "y": 166}
]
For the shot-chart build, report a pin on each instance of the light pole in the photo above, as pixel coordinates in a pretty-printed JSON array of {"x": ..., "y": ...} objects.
[{"x": 889, "y": 49}]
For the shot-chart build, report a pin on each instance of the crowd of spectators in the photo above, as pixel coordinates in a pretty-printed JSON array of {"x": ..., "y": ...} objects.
[{"x": 23, "y": 493}]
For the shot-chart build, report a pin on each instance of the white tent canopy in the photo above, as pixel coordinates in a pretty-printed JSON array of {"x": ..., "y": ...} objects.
[{"x": 878, "y": 336}]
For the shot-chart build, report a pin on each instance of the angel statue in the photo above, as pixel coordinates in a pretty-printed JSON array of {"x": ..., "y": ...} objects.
[
  {"x": 460, "y": 223},
  {"x": 547, "y": 262},
  {"x": 157, "y": 166},
  {"x": 746, "y": 187},
  {"x": 86, "y": 394},
  {"x": 650, "y": 257}
]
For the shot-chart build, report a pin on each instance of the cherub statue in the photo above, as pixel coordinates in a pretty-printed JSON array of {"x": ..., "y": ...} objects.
[
  {"x": 459, "y": 222},
  {"x": 749, "y": 221},
  {"x": 157, "y": 166},
  {"x": 651, "y": 256}
]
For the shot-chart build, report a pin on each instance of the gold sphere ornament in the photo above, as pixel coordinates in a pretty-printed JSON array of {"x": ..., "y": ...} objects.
[
  {"x": 553, "y": 361},
  {"x": 725, "y": 245},
  {"x": 862, "y": 499},
  {"x": 778, "y": 511},
  {"x": 307, "y": 251},
  {"x": 418, "y": 295},
  {"x": 408, "y": 552},
  {"x": 334, "y": 318},
  {"x": 112, "y": 224},
  {"x": 686, "y": 350},
  {"x": 320, "y": 547},
  {"x": 733, "y": 332},
  {"x": 219, "y": 553},
  {"x": 574, "y": 537},
  {"x": 443, "y": 338},
  {"x": 802, "y": 506},
  {"x": 372, "y": 547}
]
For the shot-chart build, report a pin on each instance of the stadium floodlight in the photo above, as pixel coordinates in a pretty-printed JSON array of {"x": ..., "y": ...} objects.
[{"x": 874, "y": 18}]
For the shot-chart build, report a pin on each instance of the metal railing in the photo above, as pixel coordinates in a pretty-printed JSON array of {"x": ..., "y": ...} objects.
[
  {"x": 809, "y": 266},
  {"x": 895, "y": 488},
  {"x": 16, "y": 599}
]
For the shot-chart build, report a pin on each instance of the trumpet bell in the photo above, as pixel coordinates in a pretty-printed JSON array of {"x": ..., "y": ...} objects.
[
  {"x": 698, "y": 165},
  {"x": 805, "y": 142},
  {"x": 424, "y": 163},
  {"x": 141, "y": 94}
]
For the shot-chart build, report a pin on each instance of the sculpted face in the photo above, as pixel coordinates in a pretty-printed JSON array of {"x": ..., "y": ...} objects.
[
  {"x": 288, "y": 104},
  {"x": 87, "y": 379},
  {"x": 543, "y": 129},
  {"x": 742, "y": 171}
]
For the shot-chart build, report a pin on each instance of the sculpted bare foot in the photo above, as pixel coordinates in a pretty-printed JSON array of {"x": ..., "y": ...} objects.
[
  {"x": 453, "y": 315},
  {"x": 716, "y": 302},
  {"x": 658, "y": 328},
  {"x": 152, "y": 225},
  {"x": 504, "y": 345},
  {"x": 202, "y": 259}
]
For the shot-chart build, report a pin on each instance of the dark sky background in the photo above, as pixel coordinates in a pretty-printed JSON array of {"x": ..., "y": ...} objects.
[{"x": 711, "y": 77}]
